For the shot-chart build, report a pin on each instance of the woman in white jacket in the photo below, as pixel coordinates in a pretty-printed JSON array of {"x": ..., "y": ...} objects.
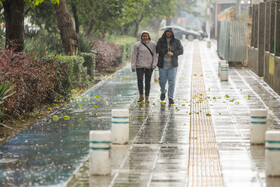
[{"x": 143, "y": 61}]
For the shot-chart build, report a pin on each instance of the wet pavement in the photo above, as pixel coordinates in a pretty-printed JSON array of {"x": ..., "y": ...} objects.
[{"x": 164, "y": 147}]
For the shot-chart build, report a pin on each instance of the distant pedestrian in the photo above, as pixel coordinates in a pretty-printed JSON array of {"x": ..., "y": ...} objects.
[
  {"x": 144, "y": 60},
  {"x": 169, "y": 48}
]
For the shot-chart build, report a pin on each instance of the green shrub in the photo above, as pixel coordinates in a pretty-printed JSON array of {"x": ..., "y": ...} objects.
[
  {"x": 2, "y": 36},
  {"x": 5, "y": 88},
  {"x": 126, "y": 44},
  {"x": 85, "y": 43},
  {"x": 43, "y": 42},
  {"x": 29, "y": 33},
  {"x": 89, "y": 63},
  {"x": 76, "y": 71}
]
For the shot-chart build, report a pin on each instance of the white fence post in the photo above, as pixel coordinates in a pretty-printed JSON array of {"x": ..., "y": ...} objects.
[
  {"x": 258, "y": 126},
  {"x": 272, "y": 153},
  {"x": 219, "y": 66},
  {"x": 100, "y": 158},
  {"x": 224, "y": 72},
  {"x": 120, "y": 126}
]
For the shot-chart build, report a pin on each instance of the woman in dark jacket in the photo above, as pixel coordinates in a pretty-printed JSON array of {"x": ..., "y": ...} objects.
[{"x": 169, "y": 48}]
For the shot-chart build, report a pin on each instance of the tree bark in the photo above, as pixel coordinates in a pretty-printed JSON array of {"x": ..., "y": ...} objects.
[
  {"x": 68, "y": 36},
  {"x": 76, "y": 18},
  {"x": 14, "y": 23},
  {"x": 90, "y": 26},
  {"x": 156, "y": 24},
  {"x": 137, "y": 23},
  {"x": 37, "y": 21}
]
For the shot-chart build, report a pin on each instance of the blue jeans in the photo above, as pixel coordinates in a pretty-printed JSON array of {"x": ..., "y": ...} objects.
[{"x": 167, "y": 74}]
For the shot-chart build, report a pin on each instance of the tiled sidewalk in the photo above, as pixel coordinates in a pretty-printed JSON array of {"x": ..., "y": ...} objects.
[
  {"x": 158, "y": 154},
  {"x": 242, "y": 164},
  {"x": 56, "y": 153}
]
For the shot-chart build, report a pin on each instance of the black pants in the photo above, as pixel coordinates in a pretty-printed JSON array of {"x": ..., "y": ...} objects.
[{"x": 140, "y": 77}]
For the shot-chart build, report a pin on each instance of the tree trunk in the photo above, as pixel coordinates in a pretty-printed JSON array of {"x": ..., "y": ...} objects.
[
  {"x": 90, "y": 26},
  {"x": 136, "y": 29},
  {"x": 68, "y": 36},
  {"x": 37, "y": 21},
  {"x": 14, "y": 22},
  {"x": 137, "y": 24},
  {"x": 156, "y": 24},
  {"x": 76, "y": 18}
]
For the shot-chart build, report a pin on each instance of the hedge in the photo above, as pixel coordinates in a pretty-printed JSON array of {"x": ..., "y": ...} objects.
[
  {"x": 126, "y": 43},
  {"x": 90, "y": 59}
]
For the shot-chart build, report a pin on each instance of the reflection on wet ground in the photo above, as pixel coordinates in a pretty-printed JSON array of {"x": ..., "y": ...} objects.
[{"x": 55, "y": 151}]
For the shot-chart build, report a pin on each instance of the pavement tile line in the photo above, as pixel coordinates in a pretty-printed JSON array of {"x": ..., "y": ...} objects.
[
  {"x": 204, "y": 166},
  {"x": 234, "y": 127},
  {"x": 242, "y": 165},
  {"x": 265, "y": 86}
]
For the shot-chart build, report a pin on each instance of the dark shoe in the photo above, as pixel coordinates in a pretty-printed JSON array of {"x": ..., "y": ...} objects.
[
  {"x": 141, "y": 98},
  {"x": 162, "y": 96},
  {"x": 146, "y": 99},
  {"x": 171, "y": 101}
]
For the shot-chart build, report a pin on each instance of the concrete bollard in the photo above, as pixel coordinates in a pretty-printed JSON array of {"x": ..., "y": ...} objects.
[
  {"x": 272, "y": 153},
  {"x": 258, "y": 126},
  {"x": 184, "y": 37},
  {"x": 224, "y": 72},
  {"x": 156, "y": 74},
  {"x": 219, "y": 66},
  {"x": 120, "y": 126},
  {"x": 100, "y": 158},
  {"x": 208, "y": 43}
]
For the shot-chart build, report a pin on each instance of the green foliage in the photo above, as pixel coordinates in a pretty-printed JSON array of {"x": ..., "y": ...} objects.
[
  {"x": 2, "y": 37},
  {"x": 105, "y": 13},
  {"x": 89, "y": 63},
  {"x": 70, "y": 74},
  {"x": 33, "y": 3},
  {"x": 43, "y": 42},
  {"x": 5, "y": 89},
  {"x": 73, "y": 73},
  {"x": 85, "y": 43},
  {"x": 126, "y": 44},
  {"x": 30, "y": 33},
  {"x": 107, "y": 16},
  {"x": 44, "y": 16}
]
